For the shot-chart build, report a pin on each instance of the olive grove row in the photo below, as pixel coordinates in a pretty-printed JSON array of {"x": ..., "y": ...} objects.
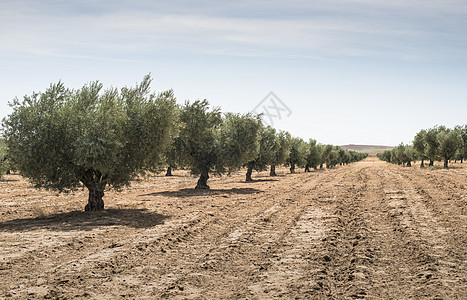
[
  {"x": 63, "y": 139},
  {"x": 435, "y": 144}
]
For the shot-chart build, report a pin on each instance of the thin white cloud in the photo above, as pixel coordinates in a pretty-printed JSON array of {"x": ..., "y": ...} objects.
[{"x": 348, "y": 28}]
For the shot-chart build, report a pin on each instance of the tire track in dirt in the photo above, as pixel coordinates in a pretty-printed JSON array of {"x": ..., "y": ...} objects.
[
  {"x": 412, "y": 260},
  {"x": 240, "y": 253},
  {"x": 368, "y": 230},
  {"x": 103, "y": 265}
]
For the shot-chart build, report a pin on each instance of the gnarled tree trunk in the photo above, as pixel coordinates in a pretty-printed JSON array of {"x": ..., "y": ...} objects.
[
  {"x": 446, "y": 163},
  {"x": 431, "y": 163},
  {"x": 95, "y": 183},
  {"x": 203, "y": 182},
  {"x": 292, "y": 168},
  {"x": 95, "y": 201},
  {"x": 422, "y": 164},
  {"x": 307, "y": 168},
  {"x": 273, "y": 170},
  {"x": 249, "y": 171},
  {"x": 169, "y": 171}
]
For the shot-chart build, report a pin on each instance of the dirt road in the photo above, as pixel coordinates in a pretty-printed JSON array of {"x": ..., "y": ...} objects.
[{"x": 368, "y": 230}]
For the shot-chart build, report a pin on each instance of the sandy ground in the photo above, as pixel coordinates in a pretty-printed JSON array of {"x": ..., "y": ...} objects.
[{"x": 368, "y": 230}]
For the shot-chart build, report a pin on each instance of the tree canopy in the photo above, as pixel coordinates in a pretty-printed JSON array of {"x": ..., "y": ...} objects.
[
  {"x": 214, "y": 143},
  {"x": 265, "y": 155},
  {"x": 63, "y": 138}
]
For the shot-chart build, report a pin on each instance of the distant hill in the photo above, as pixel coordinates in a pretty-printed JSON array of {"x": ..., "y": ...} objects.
[{"x": 372, "y": 150}]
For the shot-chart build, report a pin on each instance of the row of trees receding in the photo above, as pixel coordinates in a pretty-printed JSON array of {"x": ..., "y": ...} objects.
[
  {"x": 438, "y": 143},
  {"x": 64, "y": 139}
]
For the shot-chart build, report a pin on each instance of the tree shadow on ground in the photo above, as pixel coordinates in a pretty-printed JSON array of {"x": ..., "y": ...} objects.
[
  {"x": 80, "y": 220},
  {"x": 259, "y": 180},
  {"x": 185, "y": 193}
]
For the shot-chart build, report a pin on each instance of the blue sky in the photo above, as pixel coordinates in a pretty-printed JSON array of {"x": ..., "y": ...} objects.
[{"x": 355, "y": 71}]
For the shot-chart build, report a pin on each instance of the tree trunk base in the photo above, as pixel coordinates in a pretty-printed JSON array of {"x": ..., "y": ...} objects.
[
  {"x": 169, "y": 171},
  {"x": 248, "y": 175},
  {"x": 273, "y": 171},
  {"x": 203, "y": 182},
  {"x": 95, "y": 202}
]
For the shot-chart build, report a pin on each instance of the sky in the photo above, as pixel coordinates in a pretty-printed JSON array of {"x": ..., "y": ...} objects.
[{"x": 342, "y": 72}]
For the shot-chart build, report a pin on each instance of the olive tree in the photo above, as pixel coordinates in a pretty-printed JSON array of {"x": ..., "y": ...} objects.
[
  {"x": 4, "y": 163},
  {"x": 62, "y": 139},
  {"x": 313, "y": 158},
  {"x": 432, "y": 144},
  {"x": 175, "y": 156},
  {"x": 449, "y": 141},
  {"x": 420, "y": 146},
  {"x": 321, "y": 154},
  {"x": 265, "y": 155},
  {"x": 297, "y": 154},
  {"x": 280, "y": 150},
  {"x": 333, "y": 157},
  {"x": 214, "y": 143},
  {"x": 409, "y": 155},
  {"x": 463, "y": 149}
]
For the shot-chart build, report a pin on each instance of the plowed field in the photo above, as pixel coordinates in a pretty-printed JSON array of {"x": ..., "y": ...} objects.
[{"x": 367, "y": 230}]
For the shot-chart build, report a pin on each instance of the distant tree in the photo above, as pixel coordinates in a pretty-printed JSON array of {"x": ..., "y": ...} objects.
[
  {"x": 409, "y": 155},
  {"x": 333, "y": 157},
  {"x": 216, "y": 144},
  {"x": 347, "y": 158},
  {"x": 326, "y": 156},
  {"x": 63, "y": 138},
  {"x": 463, "y": 149},
  {"x": 175, "y": 156},
  {"x": 313, "y": 158},
  {"x": 297, "y": 154},
  {"x": 420, "y": 146},
  {"x": 281, "y": 150},
  {"x": 265, "y": 156},
  {"x": 321, "y": 154},
  {"x": 342, "y": 152},
  {"x": 432, "y": 144},
  {"x": 385, "y": 156},
  {"x": 396, "y": 155},
  {"x": 449, "y": 141},
  {"x": 4, "y": 163}
]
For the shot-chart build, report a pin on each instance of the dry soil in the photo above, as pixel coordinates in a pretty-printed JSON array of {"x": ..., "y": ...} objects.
[{"x": 369, "y": 230}]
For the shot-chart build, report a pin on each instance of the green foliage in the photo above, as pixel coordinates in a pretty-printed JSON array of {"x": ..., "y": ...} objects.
[
  {"x": 199, "y": 134},
  {"x": 432, "y": 144},
  {"x": 401, "y": 155},
  {"x": 281, "y": 148},
  {"x": 213, "y": 143},
  {"x": 267, "y": 145},
  {"x": 297, "y": 154},
  {"x": 320, "y": 149},
  {"x": 313, "y": 158},
  {"x": 449, "y": 141},
  {"x": 327, "y": 156},
  {"x": 332, "y": 157},
  {"x": 62, "y": 138},
  {"x": 463, "y": 149},
  {"x": 239, "y": 136},
  {"x": 4, "y": 161},
  {"x": 419, "y": 145},
  {"x": 175, "y": 156}
]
